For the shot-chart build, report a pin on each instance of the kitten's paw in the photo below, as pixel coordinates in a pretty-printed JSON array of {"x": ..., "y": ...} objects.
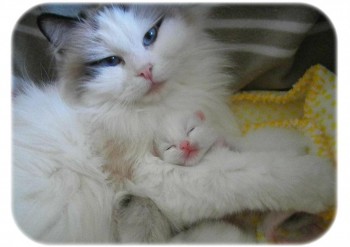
[
  {"x": 122, "y": 206},
  {"x": 138, "y": 219},
  {"x": 122, "y": 200}
]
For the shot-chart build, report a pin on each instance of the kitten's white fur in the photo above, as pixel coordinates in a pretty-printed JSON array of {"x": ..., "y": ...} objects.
[
  {"x": 192, "y": 127},
  {"x": 60, "y": 191},
  {"x": 175, "y": 129}
]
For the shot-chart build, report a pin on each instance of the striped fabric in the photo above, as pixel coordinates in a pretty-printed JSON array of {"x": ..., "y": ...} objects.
[{"x": 269, "y": 46}]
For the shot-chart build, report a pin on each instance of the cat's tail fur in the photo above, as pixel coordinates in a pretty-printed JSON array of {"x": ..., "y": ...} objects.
[{"x": 57, "y": 184}]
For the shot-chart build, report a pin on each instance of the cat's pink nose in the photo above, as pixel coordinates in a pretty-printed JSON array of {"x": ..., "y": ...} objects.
[
  {"x": 188, "y": 149},
  {"x": 185, "y": 145},
  {"x": 147, "y": 72}
]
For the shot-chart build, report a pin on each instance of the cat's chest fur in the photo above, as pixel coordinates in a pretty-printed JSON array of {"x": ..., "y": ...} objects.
[
  {"x": 124, "y": 136},
  {"x": 121, "y": 139}
]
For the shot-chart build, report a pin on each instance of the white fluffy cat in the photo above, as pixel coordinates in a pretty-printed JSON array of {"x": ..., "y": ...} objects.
[{"x": 120, "y": 69}]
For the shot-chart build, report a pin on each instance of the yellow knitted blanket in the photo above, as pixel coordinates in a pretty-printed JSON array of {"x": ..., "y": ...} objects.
[{"x": 309, "y": 107}]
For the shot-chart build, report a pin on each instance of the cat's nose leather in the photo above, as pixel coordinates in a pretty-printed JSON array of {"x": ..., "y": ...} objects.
[
  {"x": 146, "y": 72},
  {"x": 186, "y": 146},
  {"x": 188, "y": 149}
]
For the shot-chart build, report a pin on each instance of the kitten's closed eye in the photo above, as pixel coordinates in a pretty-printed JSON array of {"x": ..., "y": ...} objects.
[
  {"x": 170, "y": 147},
  {"x": 190, "y": 131}
]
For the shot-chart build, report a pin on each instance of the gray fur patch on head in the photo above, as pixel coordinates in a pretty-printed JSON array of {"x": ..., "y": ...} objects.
[{"x": 91, "y": 11}]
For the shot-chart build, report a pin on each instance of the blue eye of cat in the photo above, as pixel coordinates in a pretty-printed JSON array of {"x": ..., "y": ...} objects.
[
  {"x": 151, "y": 34},
  {"x": 107, "y": 62}
]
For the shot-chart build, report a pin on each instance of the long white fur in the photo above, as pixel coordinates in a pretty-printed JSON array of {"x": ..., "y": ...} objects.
[
  {"x": 60, "y": 191},
  {"x": 257, "y": 146},
  {"x": 250, "y": 180}
]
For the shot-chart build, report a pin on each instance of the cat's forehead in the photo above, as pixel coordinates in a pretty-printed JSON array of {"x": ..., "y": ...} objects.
[
  {"x": 139, "y": 10},
  {"x": 121, "y": 17},
  {"x": 179, "y": 122},
  {"x": 123, "y": 25},
  {"x": 124, "y": 16}
]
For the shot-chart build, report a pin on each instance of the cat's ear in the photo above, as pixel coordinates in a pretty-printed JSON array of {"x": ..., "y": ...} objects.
[
  {"x": 200, "y": 115},
  {"x": 55, "y": 27},
  {"x": 155, "y": 150}
]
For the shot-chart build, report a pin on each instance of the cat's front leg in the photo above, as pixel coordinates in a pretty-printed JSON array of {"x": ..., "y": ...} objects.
[{"x": 230, "y": 182}]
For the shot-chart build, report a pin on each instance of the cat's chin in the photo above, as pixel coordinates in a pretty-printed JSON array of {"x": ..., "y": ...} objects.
[
  {"x": 155, "y": 88},
  {"x": 155, "y": 93},
  {"x": 193, "y": 160}
]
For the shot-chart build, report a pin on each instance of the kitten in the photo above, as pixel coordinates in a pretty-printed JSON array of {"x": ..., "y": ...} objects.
[
  {"x": 185, "y": 139},
  {"x": 182, "y": 139},
  {"x": 120, "y": 69}
]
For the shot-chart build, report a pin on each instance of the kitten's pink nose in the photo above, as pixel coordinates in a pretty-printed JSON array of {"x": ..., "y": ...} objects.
[
  {"x": 188, "y": 149},
  {"x": 186, "y": 146},
  {"x": 147, "y": 72}
]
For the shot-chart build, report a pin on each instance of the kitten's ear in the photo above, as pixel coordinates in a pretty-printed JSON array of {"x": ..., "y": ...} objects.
[
  {"x": 155, "y": 150},
  {"x": 200, "y": 115},
  {"x": 56, "y": 27}
]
